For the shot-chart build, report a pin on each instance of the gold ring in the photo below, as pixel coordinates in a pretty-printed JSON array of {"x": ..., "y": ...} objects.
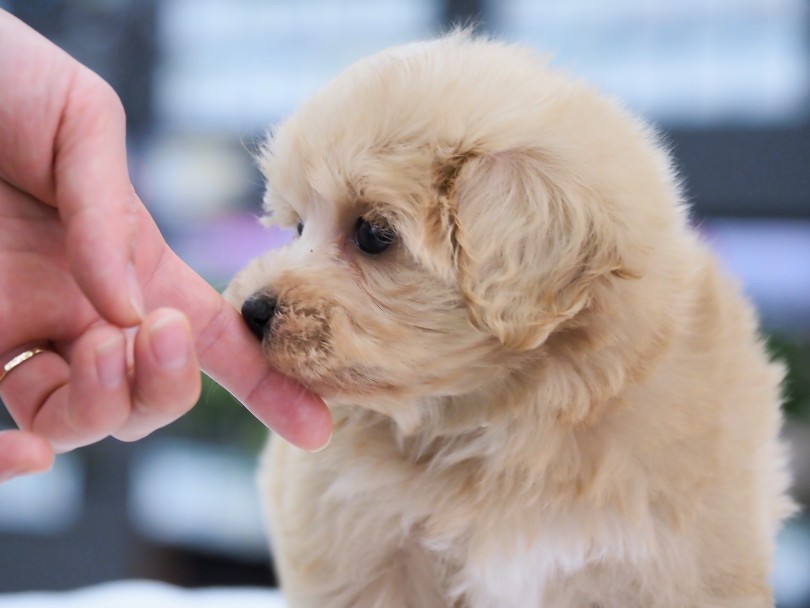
[{"x": 21, "y": 358}]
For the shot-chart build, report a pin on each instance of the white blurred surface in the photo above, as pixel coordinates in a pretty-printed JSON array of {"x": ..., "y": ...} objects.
[
  {"x": 684, "y": 62},
  {"x": 198, "y": 496},
  {"x": 44, "y": 504},
  {"x": 244, "y": 64},
  {"x": 145, "y": 594}
]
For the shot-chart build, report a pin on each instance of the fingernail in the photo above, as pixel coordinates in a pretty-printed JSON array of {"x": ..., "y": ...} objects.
[
  {"x": 135, "y": 293},
  {"x": 111, "y": 362},
  {"x": 323, "y": 447},
  {"x": 169, "y": 340}
]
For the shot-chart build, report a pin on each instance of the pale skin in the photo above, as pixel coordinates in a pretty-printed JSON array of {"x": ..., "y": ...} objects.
[{"x": 81, "y": 260}]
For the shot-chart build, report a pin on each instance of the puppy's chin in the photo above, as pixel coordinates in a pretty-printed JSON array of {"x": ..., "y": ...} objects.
[{"x": 337, "y": 384}]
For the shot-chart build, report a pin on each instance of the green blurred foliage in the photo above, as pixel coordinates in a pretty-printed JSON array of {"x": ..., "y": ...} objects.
[
  {"x": 220, "y": 418},
  {"x": 794, "y": 351}
]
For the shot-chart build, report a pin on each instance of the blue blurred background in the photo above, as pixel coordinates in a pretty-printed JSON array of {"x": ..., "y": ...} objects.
[{"x": 728, "y": 81}]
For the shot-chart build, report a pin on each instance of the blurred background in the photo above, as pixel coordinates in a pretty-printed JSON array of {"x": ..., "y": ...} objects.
[{"x": 728, "y": 81}]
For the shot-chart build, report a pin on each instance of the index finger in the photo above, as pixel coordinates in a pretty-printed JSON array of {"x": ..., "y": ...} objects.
[
  {"x": 231, "y": 355},
  {"x": 278, "y": 401}
]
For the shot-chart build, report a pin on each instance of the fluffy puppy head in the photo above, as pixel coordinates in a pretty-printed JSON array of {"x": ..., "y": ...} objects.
[{"x": 456, "y": 203}]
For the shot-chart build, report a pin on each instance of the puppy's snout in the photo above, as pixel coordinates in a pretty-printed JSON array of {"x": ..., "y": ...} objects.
[{"x": 258, "y": 311}]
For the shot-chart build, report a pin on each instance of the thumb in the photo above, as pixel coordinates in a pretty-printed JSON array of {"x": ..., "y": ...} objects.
[
  {"x": 62, "y": 140},
  {"x": 96, "y": 200}
]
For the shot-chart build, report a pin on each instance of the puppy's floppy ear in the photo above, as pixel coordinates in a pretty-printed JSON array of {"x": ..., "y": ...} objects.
[{"x": 528, "y": 241}]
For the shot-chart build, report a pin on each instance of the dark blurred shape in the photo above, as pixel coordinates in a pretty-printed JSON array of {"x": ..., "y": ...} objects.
[
  {"x": 116, "y": 39},
  {"x": 795, "y": 354},
  {"x": 466, "y": 13},
  {"x": 746, "y": 172}
]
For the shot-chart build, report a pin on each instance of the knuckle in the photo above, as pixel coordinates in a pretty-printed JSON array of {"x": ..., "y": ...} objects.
[{"x": 98, "y": 92}]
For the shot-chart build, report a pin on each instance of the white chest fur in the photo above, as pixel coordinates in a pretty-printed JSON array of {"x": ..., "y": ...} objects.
[
  {"x": 526, "y": 564},
  {"x": 488, "y": 545}
]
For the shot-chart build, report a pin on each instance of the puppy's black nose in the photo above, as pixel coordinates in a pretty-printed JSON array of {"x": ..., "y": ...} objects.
[{"x": 258, "y": 311}]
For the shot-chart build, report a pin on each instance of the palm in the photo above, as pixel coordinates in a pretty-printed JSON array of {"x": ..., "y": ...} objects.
[{"x": 47, "y": 304}]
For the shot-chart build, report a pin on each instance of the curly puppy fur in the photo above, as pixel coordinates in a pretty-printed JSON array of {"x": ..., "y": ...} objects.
[{"x": 545, "y": 393}]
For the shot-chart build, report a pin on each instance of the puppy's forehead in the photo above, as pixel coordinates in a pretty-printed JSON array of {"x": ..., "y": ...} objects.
[
  {"x": 379, "y": 129},
  {"x": 350, "y": 169},
  {"x": 387, "y": 107}
]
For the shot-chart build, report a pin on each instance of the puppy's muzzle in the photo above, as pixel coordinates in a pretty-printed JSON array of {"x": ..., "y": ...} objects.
[{"x": 258, "y": 311}]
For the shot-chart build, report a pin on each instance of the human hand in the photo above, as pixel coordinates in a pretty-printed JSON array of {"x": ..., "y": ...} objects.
[{"x": 80, "y": 259}]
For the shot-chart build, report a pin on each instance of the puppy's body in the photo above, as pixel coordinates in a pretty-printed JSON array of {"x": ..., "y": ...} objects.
[{"x": 545, "y": 393}]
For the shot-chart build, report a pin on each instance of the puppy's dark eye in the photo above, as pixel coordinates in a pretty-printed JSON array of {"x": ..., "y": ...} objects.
[
  {"x": 372, "y": 237},
  {"x": 300, "y": 227}
]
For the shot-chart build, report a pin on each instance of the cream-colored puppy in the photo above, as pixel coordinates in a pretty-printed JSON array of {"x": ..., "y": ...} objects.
[{"x": 545, "y": 393}]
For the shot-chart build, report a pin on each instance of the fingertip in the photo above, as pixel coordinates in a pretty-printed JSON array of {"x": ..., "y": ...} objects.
[
  {"x": 24, "y": 453},
  {"x": 41, "y": 457},
  {"x": 167, "y": 380},
  {"x": 316, "y": 433},
  {"x": 110, "y": 284},
  {"x": 110, "y": 359},
  {"x": 170, "y": 339},
  {"x": 291, "y": 411}
]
